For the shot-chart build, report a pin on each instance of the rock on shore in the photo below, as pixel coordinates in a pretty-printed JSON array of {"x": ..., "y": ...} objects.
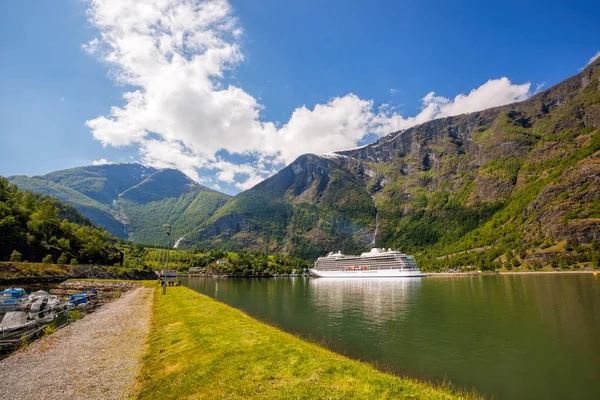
[{"x": 107, "y": 290}]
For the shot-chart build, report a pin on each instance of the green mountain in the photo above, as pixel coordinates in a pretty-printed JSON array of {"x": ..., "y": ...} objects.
[
  {"x": 166, "y": 197},
  {"x": 501, "y": 187},
  {"x": 130, "y": 200}
]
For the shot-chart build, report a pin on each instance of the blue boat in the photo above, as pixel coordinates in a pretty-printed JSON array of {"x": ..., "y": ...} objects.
[
  {"x": 78, "y": 299},
  {"x": 13, "y": 299},
  {"x": 85, "y": 299}
]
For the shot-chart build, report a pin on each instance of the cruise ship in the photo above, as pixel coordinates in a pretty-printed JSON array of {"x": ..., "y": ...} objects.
[{"x": 378, "y": 263}]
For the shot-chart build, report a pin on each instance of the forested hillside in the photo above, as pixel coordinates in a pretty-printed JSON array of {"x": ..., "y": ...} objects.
[
  {"x": 39, "y": 228},
  {"x": 244, "y": 263}
]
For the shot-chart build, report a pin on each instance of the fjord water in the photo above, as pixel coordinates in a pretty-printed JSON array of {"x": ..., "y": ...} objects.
[{"x": 510, "y": 337}]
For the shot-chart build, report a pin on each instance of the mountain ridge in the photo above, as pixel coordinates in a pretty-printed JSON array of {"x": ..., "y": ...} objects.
[
  {"x": 131, "y": 200},
  {"x": 430, "y": 185}
]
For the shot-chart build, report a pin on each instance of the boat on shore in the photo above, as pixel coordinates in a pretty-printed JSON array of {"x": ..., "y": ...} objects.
[
  {"x": 44, "y": 307},
  {"x": 13, "y": 299},
  {"x": 86, "y": 299},
  {"x": 21, "y": 313},
  {"x": 378, "y": 263},
  {"x": 16, "y": 321}
]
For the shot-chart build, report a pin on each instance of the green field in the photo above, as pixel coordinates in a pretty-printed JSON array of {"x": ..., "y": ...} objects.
[{"x": 202, "y": 349}]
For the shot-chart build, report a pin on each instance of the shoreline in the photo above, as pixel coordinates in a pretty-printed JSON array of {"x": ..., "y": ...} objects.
[
  {"x": 548, "y": 272},
  {"x": 463, "y": 274}
]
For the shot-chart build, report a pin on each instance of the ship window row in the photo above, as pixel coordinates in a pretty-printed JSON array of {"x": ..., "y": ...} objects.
[
  {"x": 353, "y": 260},
  {"x": 371, "y": 268},
  {"x": 365, "y": 263}
]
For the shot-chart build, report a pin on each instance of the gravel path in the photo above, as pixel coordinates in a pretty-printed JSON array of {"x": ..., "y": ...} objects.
[{"x": 97, "y": 357}]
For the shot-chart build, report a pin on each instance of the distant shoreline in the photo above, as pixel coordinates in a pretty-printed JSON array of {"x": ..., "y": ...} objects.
[
  {"x": 449, "y": 274},
  {"x": 549, "y": 272}
]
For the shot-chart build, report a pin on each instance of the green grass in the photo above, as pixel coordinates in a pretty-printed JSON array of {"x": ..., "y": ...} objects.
[{"x": 202, "y": 349}]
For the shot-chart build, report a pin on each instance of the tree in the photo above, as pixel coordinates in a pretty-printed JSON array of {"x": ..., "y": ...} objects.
[
  {"x": 62, "y": 259},
  {"x": 508, "y": 257},
  {"x": 596, "y": 259},
  {"x": 15, "y": 256},
  {"x": 47, "y": 259}
]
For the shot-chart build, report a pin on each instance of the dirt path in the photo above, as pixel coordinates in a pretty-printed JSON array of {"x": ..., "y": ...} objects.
[{"x": 96, "y": 357}]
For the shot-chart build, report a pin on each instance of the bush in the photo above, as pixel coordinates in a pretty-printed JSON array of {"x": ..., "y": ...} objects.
[
  {"x": 15, "y": 256},
  {"x": 596, "y": 260},
  {"x": 47, "y": 259},
  {"x": 75, "y": 314},
  {"x": 24, "y": 343},
  {"x": 62, "y": 259},
  {"x": 49, "y": 330},
  {"x": 74, "y": 261}
]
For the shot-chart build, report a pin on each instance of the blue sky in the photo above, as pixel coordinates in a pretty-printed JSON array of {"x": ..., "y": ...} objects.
[{"x": 283, "y": 78}]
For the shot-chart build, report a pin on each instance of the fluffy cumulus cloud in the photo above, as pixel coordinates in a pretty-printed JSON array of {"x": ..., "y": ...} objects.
[
  {"x": 173, "y": 55},
  {"x": 102, "y": 161},
  {"x": 494, "y": 92}
]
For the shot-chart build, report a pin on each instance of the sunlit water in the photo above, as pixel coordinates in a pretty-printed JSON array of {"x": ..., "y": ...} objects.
[{"x": 510, "y": 337}]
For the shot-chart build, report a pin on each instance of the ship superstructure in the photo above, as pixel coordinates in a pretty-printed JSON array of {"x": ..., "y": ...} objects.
[{"x": 376, "y": 263}]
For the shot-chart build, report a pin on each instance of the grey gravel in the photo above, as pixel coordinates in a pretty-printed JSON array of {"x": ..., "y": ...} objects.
[{"x": 97, "y": 357}]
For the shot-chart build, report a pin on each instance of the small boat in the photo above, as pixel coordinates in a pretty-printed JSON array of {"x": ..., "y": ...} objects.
[
  {"x": 13, "y": 299},
  {"x": 15, "y": 321},
  {"x": 38, "y": 294},
  {"x": 45, "y": 308},
  {"x": 92, "y": 294},
  {"x": 87, "y": 298}
]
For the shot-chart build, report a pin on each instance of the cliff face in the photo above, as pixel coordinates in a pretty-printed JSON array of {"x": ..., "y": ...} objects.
[
  {"x": 521, "y": 174},
  {"x": 311, "y": 205}
]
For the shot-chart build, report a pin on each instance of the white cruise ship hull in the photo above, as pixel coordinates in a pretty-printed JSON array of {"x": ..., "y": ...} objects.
[{"x": 373, "y": 273}]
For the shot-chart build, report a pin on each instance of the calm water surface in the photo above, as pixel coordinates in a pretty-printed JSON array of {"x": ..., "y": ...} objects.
[{"x": 510, "y": 337}]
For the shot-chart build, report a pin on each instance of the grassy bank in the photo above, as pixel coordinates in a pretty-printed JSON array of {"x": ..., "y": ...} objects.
[
  {"x": 13, "y": 270},
  {"x": 200, "y": 348},
  {"x": 28, "y": 272}
]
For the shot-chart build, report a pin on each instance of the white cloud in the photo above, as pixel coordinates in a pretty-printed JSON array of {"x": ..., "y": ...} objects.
[
  {"x": 171, "y": 154},
  {"x": 102, "y": 161},
  {"x": 176, "y": 53},
  {"x": 495, "y": 92},
  {"x": 593, "y": 58},
  {"x": 539, "y": 87},
  {"x": 393, "y": 92}
]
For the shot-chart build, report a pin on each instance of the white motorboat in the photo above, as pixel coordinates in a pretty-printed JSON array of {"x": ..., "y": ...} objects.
[
  {"x": 45, "y": 307},
  {"x": 15, "y": 321}
]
